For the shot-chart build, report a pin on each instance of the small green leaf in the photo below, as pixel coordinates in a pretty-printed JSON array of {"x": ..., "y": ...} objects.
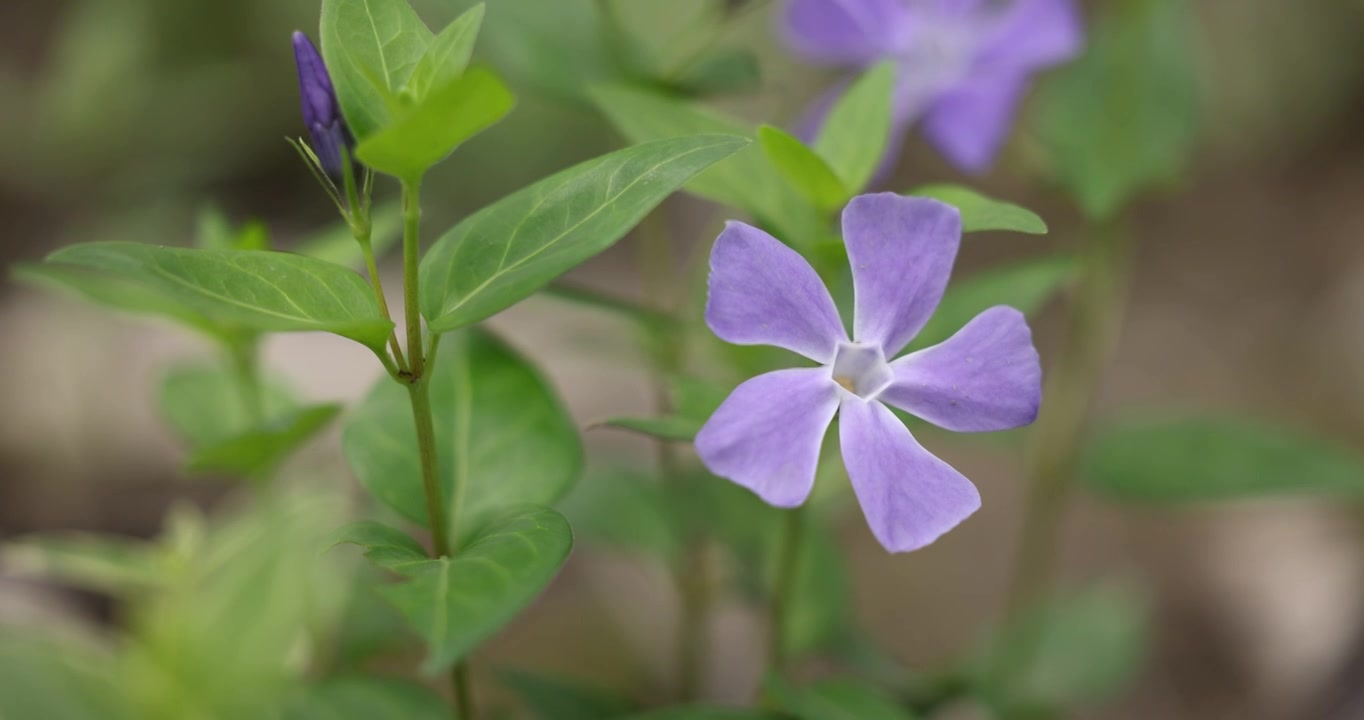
[
  {"x": 747, "y": 181},
  {"x": 979, "y": 213},
  {"x": 725, "y": 72},
  {"x": 694, "y": 400},
  {"x": 213, "y": 230},
  {"x": 1123, "y": 118},
  {"x": 673, "y": 428},
  {"x": 367, "y": 698},
  {"x": 508, "y": 250},
  {"x": 803, "y": 169},
  {"x": 1201, "y": 459},
  {"x": 552, "y": 698},
  {"x": 108, "y": 564},
  {"x": 448, "y": 55},
  {"x": 856, "y": 132},
  {"x": 206, "y": 403},
  {"x": 626, "y": 510},
  {"x": 265, "y": 291},
  {"x": 262, "y": 448},
  {"x": 387, "y": 547},
  {"x": 371, "y": 48},
  {"x": 120, "y": 294},
  {"x": 455, "y": 603},
  {"x": 835, "y": 699},
  {"x": 428, "y": 133},
  {"x": 1025, "y": 286},
  {"x": 491, "y": 408},
  {"x": 337, "y": 244}
]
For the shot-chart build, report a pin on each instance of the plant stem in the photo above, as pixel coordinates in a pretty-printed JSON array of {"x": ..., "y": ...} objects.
[
  {"x": 412, "y": 218},
  {"x": 371, "y": 266},
  {"x": 1058, "y": 436},
  {"x": 789, "y": 548},
  {"x": 464, "y": 696},
  {"x": 426, "y": 449},
  {"x": 247, "y": 367}
]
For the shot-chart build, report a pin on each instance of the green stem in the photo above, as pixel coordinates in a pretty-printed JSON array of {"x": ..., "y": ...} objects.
[
  {"x": 789, "y": 548},
  {"x": 363, "y": 236},
  {"x": 1059, "y": 433},
  {"x": 426, "y": 450},
  {"x": 412, "y": 218},
  {"x": 464, "y": 696},
  {"x": 246, "y": 365}
]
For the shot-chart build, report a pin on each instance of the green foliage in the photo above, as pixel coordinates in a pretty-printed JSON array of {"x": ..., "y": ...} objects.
[
  {"x": 1123, "y": 118},
  {"x": 726, "y": 71},
  {"x": 980, "y": 213},
  {"x": 554, "y": 698},
  {"x": 117, "y": 566},
  {"x": 834, "y": 699},
  {"x": 264, "y": 447},
  {"x": 627, "y": 510},
  {"x": 693, "y": 400},
  {"x": 371, "y": 48},
  {"x": 705, "y": 712},
  {"x": 54, "y": 678},
  {"x": 508, "y": 250},
  {"x": 337, "y": 244},
  {"x": 1171, "y": 459},
  {"x": 429, "y": 132},
  {"x": 386, "y": 547},
  {"x": 747, "y": 181},
  {"x": 448, "y": 56},
  {"x": 455, "y": 603},
  {"x": 206, "y": 403},
  {"x": 857, "y": 128},
  {"x": 367, "y": 698},
  {"x": 803, "y": 169},
  {"x": 502, "y": 435},
  {"x": 1025, "y": 286},
  {"x": 264, "y": 291}
]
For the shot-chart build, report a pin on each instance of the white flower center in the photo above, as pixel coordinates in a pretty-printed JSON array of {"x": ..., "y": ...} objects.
[
  {"x": 935, "y": 55},
  {"x": 861, "y": 369}
]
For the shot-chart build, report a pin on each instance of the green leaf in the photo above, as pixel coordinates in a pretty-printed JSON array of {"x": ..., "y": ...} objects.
[
  {"x": 508, "y": 250},
  {"x": 214, "y": 231},
  {"x": 1123, "y": 118},
  {"x": 371, "y": 48},
  {"x": 835, "y": 699},
  {"x": 694, "y": 401},
  {"x": 119, "y": 294},
  {"x": 51, "y": 678},
  {"x": 385, "y": 546},
  {"x": 205, "y": 403},
  {"x": 427, "y": 134},
  {"x": 725, "y": 72},
  {"x": 803, "y": 169},
  {"x": 1025, "y": 286},
  {"x": 979, "y": 213},
  {"x": 855, "y": 134},
  {"x": 624, "y": 509},
  {"x": 748, "y": 180},
  {"x": 490, "y": 406},
  {"x": 367, "y": 698},
  {"x": 705, "y": 712},
  {"x": 1074, "y": 649},
  {"x": 1200, "y": 459},
  {"x": 108, "y": 564},
  {"x": 265, "y": 291},
  {"x": 552, "y": 698},
  {"x": 263, "y": 448},
  {"x": 448, "y": 55},
  {"x": 337, "y": 244},
  {"x": 455, "y": 603},
  {"x": 673, "y": 428}
]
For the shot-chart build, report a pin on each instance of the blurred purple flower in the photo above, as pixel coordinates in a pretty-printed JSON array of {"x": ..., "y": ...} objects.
[
  {"x": 962, "y": 64},
  {"x": 766, "y": 436},
  {"x": 321, "y": 111}
]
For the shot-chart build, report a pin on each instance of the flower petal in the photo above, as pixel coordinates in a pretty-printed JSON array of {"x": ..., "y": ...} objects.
[
  {"x": 901, "y": 250},
  {"x": 985, "y": 377},
  {"x": 1031, "y": 35},
  {"x": 855, "y": 32},
  {"x": 909, "y": 496},
  {"x": 764, "y": 293},
  {"x": 970, "y": 122},
  {"x": 767, "y": 434}
]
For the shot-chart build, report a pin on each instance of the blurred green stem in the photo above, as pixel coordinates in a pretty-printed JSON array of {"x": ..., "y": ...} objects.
[
  {"x": 1094, "y": 314},
  {"x": 412, "y": 218},
  {"x": 789, "y": 547},
  {"x": 246, "y": 364}
]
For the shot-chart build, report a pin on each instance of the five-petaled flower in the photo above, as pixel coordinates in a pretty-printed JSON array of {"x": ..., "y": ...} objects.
[
  {"x": 766, "y": 436},
  {"x": 962, "y": 65},
  {"x": 321, "y": 111}
]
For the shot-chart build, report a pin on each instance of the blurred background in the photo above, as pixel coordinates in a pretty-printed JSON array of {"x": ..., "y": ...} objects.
[{"x": 122, "y": 119}]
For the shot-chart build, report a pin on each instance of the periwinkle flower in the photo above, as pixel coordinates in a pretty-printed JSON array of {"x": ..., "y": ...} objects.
[
  {"x": 321, "y": 111},
  {"x": 766, "y": 436},
  {"x": 962, "y": 65}
]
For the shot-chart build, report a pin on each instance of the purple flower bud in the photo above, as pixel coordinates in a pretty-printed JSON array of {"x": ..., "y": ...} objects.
[{"x": 321, "y": 112}]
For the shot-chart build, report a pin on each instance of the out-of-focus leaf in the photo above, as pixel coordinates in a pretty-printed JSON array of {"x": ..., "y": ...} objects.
[
  {"x": 624, "y": 509},
  {"x": 262, "y": 448},
  {"x": 213, "y": 230},
  {"x": 725, "y": 72},
  {"x": 367, "y": 698},
  {"x": 747, "y": 181},
  {"x": 206, "y": 403},
  {"x": 501, "y": 433},
  {"x": 855, "y": 134},
  {"x": 674, "y": 428},
  {"x": 705, "y": 712},
  {"x": 835, "y": 699},
  {"x": 508, "y": 250},
  {"x": 1025, "y": 286},
  {"x": 980, "y": 213},
  {"x": 337, "y": 244},
  {"x": 448, "y": 56},
  {"x": 113, "y": 565},
  {"x": 817, "y": 612},
  {"x": 1123, "y": 118},
  {"x": 1199, "y": 459},
  {"x": 121, "y": 294},
  {"x": 694, "y": 401},
  {"x": 47, "y": 678},
  {"x": 265, "y": 291},
  {"x": 803, "y": 169},
  {"x": 371, "y": 48},
  {"x": 386, "y": 547},
  {"x": 457, "y": 602},
  {"x": 427, "y": 133},
  {"x": 553, "y": 698}
]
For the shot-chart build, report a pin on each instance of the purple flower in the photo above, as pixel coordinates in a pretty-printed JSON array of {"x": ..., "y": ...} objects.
[
  {"x": 321, "y": 111},
  {"x": 766, "y": 436},
  {"x": 962, "y": 64}
]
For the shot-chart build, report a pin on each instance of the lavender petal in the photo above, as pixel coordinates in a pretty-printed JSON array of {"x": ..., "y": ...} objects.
[
  {"x": 970, "y": 122},
  {"x": 1030, "y": 35},
  {"x": 852, "y": 32}
]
